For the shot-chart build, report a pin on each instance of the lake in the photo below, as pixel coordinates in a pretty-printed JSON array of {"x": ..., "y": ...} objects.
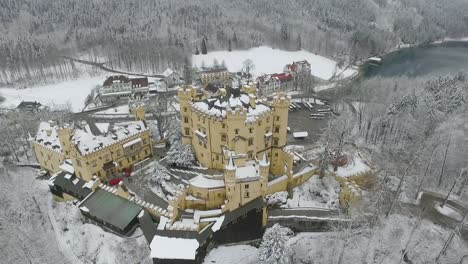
[{"x": 438, "y": 59}]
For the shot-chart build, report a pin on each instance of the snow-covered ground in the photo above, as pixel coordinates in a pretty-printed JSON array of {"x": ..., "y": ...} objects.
[
  {"x": 381, "y": 245},
  {"x": 269, "y": 60},
  {"x": 36, "y": 229},
  {"x": 73, "y": 92},
  {"x": 448, "y": 211},
  {"x": 356, "y": 165},
  {"x": 233, "y": 255},
  {"x": 316, "y": 192},
  {"x": 90, "y": 243},
  {"x": 103, "y": 127}
]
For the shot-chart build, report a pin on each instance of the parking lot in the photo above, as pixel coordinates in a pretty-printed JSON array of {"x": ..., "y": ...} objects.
[{"x": 300, "y": 121}]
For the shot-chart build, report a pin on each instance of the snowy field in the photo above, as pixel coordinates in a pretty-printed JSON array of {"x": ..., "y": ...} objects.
[
  {"x": 269, "y": 60},
  {"x": 73, "y": 92}
]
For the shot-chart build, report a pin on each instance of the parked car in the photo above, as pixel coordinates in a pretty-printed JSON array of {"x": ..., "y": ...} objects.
[{"x": 116, "y": 181}]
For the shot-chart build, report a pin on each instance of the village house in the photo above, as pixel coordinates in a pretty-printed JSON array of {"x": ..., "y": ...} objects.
[
  {"x": 297, "y": 67},
  {"x": 29, "y": 106},
  {"x": 268, "y": 84},
  {"x": 101, "y": 155},
  {"x": 119, "y": 88},
  {"x": 171, "y": 77},
  {"x": 218, "y": 74}
]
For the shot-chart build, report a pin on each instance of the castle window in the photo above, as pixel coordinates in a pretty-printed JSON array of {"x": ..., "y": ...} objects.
[
  {"x": 223, "y": 125},
  {"x": 236, "y": 131},
  {"x": 276, "y": 154},
  {"x": 78, "y": 162},
  {"x": 185, "y": 109},
  {"x": 251, "y": 130},
  {"x": 277, "y": 118},
  {"x": 246, "y": 195},
  {"x": 185, "y": 119},
  {"x": 266, "y": 144},
  {"x": 223, "y": 137},
  {"x": 187, "y": 131},
  {"x": 275, "y": 141},
  {"x": 277, "y": 128},
  {"x": 246, "y": 186},
  {"x": 250, "y": 141},
  {"x": 268, "y": 119}
]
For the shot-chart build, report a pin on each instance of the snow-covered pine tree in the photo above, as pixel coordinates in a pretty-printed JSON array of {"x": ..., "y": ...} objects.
[
  {"x": 273, "y": 249},
  {"x": 180, "y": 155}
]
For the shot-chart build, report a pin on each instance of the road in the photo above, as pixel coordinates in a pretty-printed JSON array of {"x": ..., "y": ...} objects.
[
  {"x": 428, "y": 201},
  {"x": 102, "y": 66}
]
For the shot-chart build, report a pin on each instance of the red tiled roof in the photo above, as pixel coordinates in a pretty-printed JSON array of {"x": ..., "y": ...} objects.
[{"x": 282, "y": 76}]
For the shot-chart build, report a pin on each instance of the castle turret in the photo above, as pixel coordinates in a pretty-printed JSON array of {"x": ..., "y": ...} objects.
[
  {"x": 65, "y": 134},
  {"x": 185, "y": 95},
  {"x": 232, "y": 195},
  {"x": 280, "y": 105},
  {"x": 139, "y": 112},
  {"x": 264, "y": 168}
]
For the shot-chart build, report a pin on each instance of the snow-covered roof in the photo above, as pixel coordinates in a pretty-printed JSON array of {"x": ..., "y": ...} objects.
[
  {"x": 300, "y": 134},
  {"x": 173, "y": 248},
  {"x": 168, "y": 72},
  {"x": 248, "y": 172},
  {"x": 203, "y": 182},
  {"x": 47, "y": 136},
  {"x": 67, "y": 166},
  {"x": 217, "y": 106},
  {"x": 88, "y": 143}
]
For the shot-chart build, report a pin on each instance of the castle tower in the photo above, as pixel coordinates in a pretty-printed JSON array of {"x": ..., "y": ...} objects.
[
  {"x": 235, "y": 121},
  {"x": 280, "y": 105},
  {"x": 232, "y": 195},
  {"x": 264, "y": 168},
  {"x": 185, "y": 95},
  {"x": 65, "y": 134},
  {"x": 139, "y": 112}
]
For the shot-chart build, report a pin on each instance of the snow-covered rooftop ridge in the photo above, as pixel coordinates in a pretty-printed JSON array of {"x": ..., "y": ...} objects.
[
  {"x": 218, "y": 106},
  {"x": 88, "y": 143},
  {"x": 173, "y": 248},
  {"x": 47, "y": 136}
]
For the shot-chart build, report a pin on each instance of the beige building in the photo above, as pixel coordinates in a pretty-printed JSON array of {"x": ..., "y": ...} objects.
[
  {"x": 243, "y": 137},
  {"x": 101, "y": 155},
  {"x": 215, "y": 74},
  {"x": 234, "y": 124}
]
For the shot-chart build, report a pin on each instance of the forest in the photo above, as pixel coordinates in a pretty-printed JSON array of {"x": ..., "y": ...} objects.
[{"x": 148, "y": 35}]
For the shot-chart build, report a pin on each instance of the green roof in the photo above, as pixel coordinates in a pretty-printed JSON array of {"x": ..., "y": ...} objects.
[{"x": 110, "y": 208}]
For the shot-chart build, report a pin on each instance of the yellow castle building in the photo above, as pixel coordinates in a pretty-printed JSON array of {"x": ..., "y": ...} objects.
[
  {"x": 242, "y": 136},
  {"x": 102, "y": 155},
  {"x": 234, "y": 124}
]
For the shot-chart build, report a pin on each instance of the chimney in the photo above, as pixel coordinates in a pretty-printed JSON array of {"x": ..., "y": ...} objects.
[{"x": 252, "y": 99}]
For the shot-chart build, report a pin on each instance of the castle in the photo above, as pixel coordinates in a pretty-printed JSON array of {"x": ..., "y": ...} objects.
[
  {"x": 242, "y": 135},
  {"x": 101, "y": 155}
]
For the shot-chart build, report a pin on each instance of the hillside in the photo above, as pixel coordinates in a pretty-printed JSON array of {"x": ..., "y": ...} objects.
[{"x": 147, "y": 34}]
